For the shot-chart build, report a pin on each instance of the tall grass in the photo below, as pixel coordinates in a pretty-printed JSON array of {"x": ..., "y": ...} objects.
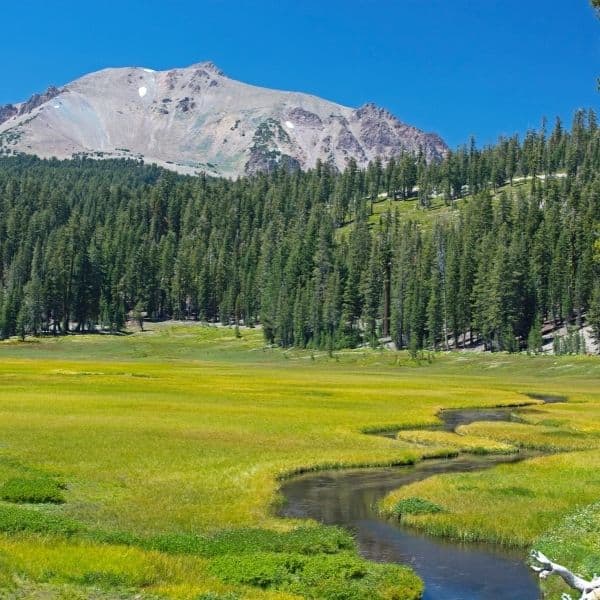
[{"x": 169, "y": 447}]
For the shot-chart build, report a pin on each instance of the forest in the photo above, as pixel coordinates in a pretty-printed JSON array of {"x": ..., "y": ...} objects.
[{"x": 87, "y": 244}]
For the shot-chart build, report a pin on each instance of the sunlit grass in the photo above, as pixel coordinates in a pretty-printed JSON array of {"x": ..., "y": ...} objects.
[
  {"x": 89, "y": 565},
  {"x": 510, "y": 504},
  {"x": 536, "y": 437},
  {"x": 469, "y": 444},
  {"x": 438, "y": 209},
  {"x": 574, "y": 541},
  {"x": 187, "y": 430}
]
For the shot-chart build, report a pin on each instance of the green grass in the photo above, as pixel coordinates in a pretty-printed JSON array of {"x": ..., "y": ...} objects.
[
  {"x": 40, "y": 490},
  {"x": 342, "y": 575},
  {"x": 534, "y": 437},
  {"x": 510, "y": 504},
  {"x": 468, "y": 444},
  {"x": 574, "y": 541},
  {"x": 170, "y": 446},
  {"x": 415, "y": 506},
  {"x": 515, "y": 504},
  {"x": 410, "y": 210},
  {"x": 407, "y": 210}
]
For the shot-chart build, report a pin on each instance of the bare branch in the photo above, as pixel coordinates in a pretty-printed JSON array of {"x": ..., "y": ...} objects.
[{"x": 590, "y": 590}]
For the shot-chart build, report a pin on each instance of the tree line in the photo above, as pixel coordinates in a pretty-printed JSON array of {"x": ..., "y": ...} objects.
[{"x": 84, "y": 244}]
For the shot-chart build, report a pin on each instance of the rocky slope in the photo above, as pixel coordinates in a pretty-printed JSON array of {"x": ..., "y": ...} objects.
[{"x": 198, "y": 119}]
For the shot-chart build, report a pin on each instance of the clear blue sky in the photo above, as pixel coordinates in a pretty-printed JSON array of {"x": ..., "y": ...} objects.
[{"x": 457, "y": 67}]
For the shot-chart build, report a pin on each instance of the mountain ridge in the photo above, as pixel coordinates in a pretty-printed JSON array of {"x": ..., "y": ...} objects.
[{"x": 197, "y": 119}]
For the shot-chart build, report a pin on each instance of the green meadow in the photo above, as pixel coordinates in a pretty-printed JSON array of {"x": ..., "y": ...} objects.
[
  {"x": 148, "y": 465},
  {"x": 438, "y": 211}
]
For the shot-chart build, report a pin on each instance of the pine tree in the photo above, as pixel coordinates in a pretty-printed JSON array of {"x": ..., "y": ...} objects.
[
  {"x": 534, "y": 339},
  {"x": 594, "y": 315}
]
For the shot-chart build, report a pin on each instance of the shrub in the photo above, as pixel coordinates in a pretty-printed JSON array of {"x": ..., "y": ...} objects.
[
  {"x": 303, "y": 540},
  {"x": 261, "y": 570},
  {"x": 39, "y": 490},
  {"x": 343, "y": 576},
  {"x": 416, "y": 506},
  {"x": 14, "y": 519}
]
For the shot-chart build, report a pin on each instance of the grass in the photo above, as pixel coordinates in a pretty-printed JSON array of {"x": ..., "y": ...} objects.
[
  {"x": 574, "y": 541},
  {"x": 36, "y": 491},
  {"x": 170, "y": 445},
  {"x": 342, "y": 575},
  {"x": 516, "y": 504},
  {"x": 535, "y": 437},
  {"x": 415, "y": 506},
  {"x": 410, "y": 210},
  {"x": 510, "y": 504},
  {"x": 407, "y": 210},
  {"x": 468, "y": 444}
]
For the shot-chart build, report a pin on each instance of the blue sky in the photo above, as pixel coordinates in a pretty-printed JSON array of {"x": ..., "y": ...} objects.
[{"x": 457, "y": 67}]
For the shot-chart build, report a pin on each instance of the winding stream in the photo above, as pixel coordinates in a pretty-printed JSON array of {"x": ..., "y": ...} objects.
[{"x": 451, "y": 570}]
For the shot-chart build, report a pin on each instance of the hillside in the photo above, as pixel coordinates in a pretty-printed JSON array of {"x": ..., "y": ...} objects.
[{"x": 86, "y": 244}]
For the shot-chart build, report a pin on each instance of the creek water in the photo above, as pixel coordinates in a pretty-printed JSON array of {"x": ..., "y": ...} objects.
[{"x": 451, "y": 570}]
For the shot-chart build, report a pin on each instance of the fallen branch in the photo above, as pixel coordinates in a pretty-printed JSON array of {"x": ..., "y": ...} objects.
[{"x": 590, "y": 590}]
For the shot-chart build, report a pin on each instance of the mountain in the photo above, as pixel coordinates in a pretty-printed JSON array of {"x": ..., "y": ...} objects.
[{"x": 198, "y": 119}]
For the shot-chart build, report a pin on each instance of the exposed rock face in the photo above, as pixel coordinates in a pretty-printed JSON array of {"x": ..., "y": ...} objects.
[
  {"x": 38, "y": 99},
  {"x": 8, "y": 111},
  {"x": 198, "y": 119},
  {"x": 270, "y": 141},
  {"x": 299, "y": 116}
]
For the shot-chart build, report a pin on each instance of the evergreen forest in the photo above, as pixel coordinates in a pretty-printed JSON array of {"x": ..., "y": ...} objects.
[{"x": 87, "y": 244}]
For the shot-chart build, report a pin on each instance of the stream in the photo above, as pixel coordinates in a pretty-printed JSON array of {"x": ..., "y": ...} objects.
[{"x": 451, "y": 570}]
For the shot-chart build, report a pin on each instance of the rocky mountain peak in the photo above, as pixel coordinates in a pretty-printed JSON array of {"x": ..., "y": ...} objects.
[
  {"x": 371, "y": 110},
  {"x": 196, "y": 119},
  {"x": 210, "y": 66},
  {"x": 8, "y": 111}
]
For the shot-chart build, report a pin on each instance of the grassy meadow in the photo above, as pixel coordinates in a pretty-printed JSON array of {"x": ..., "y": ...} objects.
[
  {"x": 150, "y": 463},
  {"x": 439, "y": 210}
]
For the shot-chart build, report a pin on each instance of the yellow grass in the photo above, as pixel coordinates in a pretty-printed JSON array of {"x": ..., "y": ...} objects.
[
  {"x": 188, "y": 429},
  {"x": 469, "y": 444}
]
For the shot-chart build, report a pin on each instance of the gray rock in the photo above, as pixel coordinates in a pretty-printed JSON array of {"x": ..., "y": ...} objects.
[{"x": 185, "y": 119}]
